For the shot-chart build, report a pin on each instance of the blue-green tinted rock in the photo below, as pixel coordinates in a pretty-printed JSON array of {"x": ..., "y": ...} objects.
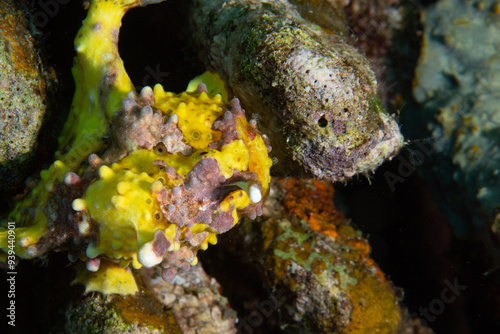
[{"x": 458, "y": 85}]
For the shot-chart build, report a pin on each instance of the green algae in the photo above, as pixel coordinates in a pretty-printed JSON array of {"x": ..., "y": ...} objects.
[{"x": 307, "y": 262}]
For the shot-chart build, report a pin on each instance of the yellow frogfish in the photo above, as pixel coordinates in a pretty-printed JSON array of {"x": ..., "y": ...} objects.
[{"x": 141, "y": 179}]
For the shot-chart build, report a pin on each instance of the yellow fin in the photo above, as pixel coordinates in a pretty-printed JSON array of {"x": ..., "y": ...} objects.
[
  {"x": 215, "y": 85},
  {"x": 110, "y": 278}
]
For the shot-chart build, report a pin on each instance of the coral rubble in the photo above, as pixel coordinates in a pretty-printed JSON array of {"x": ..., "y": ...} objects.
[
  {"x": 195, "y": 300},
  {"x": 191, "y": 303}
]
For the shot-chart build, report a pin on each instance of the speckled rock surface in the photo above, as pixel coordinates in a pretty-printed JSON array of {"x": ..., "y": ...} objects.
[{"x": 22, "y": 96}]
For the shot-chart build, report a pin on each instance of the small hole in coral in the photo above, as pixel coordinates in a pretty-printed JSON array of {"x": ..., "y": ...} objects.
[
  {"x": 157, "y": 216},
  {"x": 149, "y": 200},
  {"x": 322, "y": 122}
]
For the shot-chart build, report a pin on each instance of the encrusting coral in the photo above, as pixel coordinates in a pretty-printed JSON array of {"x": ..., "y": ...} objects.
[{"x": 141, "y": 179}]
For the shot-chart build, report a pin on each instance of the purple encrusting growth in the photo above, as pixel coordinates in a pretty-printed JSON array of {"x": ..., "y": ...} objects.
[
  {"x": 140, "y": 126},
  {"x": 202, "y": 188}
]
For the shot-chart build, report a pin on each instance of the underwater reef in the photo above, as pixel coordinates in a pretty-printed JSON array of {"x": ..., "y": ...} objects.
[
  {"x": 148, "y": 179},
  {"x": 195, "y": 194},
  {"x": 192, "y": 303}
]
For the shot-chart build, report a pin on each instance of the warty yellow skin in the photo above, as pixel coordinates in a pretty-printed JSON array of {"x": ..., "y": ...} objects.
[{"x": 120, "y": 207}]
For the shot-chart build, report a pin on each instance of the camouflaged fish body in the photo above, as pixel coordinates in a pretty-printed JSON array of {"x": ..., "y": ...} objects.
[{"x": 313, "y": 93}]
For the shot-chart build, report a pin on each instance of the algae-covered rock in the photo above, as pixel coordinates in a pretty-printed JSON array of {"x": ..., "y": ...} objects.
[
  {"x": 457, "y": 85},
  {"x": 96, "y": 314},
  {"x": 22, "y": 96},
  {"x": 318, "y": 266}
]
